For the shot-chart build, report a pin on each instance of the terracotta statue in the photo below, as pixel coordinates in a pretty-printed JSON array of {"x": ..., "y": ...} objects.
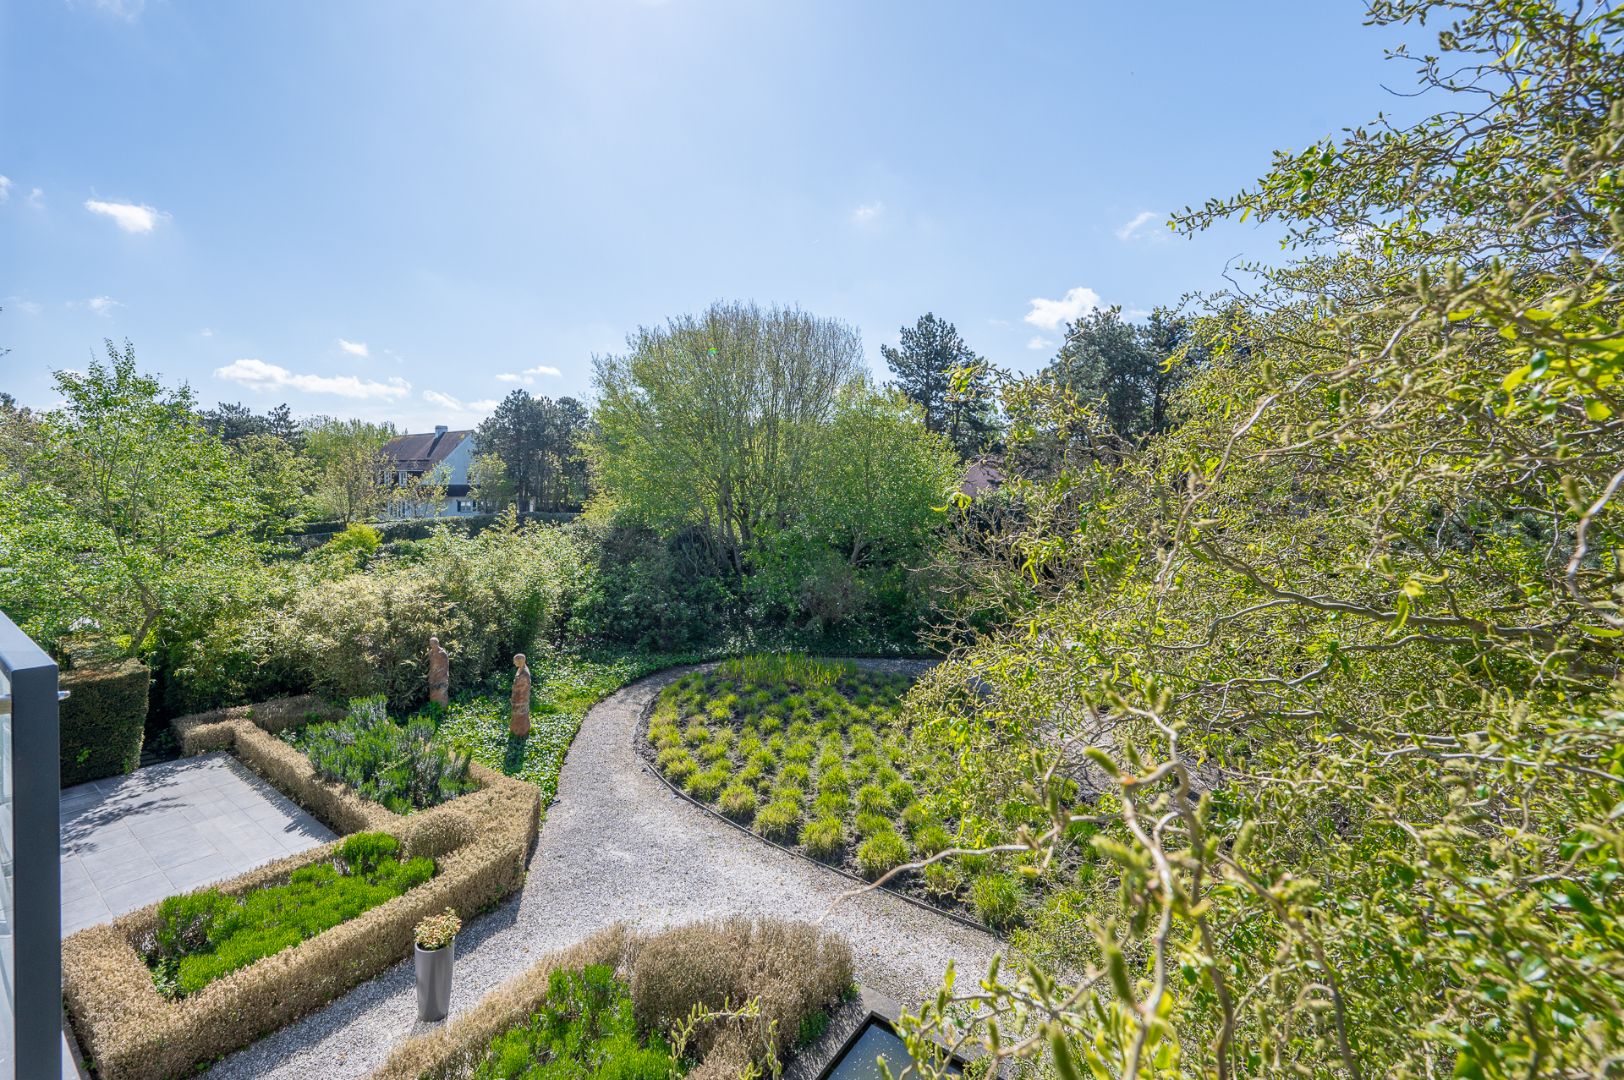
[
  {"x": 520, "y": 724},
  {"x": 439, "y": 674}
]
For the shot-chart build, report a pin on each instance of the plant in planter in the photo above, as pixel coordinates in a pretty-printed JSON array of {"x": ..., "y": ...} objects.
[{"x": 436, "y": 949}]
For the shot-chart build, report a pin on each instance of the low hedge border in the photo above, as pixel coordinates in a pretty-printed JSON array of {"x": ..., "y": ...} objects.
[
  {"x": 481, "y": 842},
  {"x": 103, "y": 720}
]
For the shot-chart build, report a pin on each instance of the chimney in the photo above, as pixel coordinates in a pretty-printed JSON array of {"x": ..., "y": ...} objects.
[{"x": 440, "y": 429}]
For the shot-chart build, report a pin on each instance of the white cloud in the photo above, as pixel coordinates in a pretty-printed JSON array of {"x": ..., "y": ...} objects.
[
  {"x": 1040, "y": 343},
  {"x": 5, "y": 188},
  {"x": 868, "y": 212},
  {"x": 205, "y": 332},
  {"x": 1051, "y": 314},
  {"x": 1130, "y": 228},
  {"x": 27, "y": 307},
  {"x": 527, "y": 377},
  {"x": 258, "y": 375},
  {"x": 354, "y": 348},
  {"x": 36, "y": 198},
  {"x": 102, "y": 305},
  {"x": 129, "y": 216},
  {"x": 446, "y": 401}
]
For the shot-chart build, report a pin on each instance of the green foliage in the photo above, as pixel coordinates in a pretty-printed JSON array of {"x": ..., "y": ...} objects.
[
  {"x": 779, "y": 820},
  {"x": 103, "y": 719},
  {"x": 126, "y": 513},
  {"x": 400, "y": 766},
  {"x": 1342, "y": 649},
  {"x": 357, "y": 541},
  {"x": 537, "y": 442},
  {"x": 937, "y": 371},
  {"x": 738, "y": 802},
  {"x": 586, "y": 1029},
  {"x": 206, "y": 935}
]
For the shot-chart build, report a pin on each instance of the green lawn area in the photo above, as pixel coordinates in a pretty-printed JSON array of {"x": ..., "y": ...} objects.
[{"x": 566, "y": 685}]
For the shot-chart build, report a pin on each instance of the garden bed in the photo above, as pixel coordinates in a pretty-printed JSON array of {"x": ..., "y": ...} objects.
[
  {"x": 810, "y": 755},
  {"x": 479, "y": 843},
  {"x": 762, "y": 989}
]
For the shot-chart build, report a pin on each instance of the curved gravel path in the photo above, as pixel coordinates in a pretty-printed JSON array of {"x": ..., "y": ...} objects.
[{"x": 617, "y": 845}]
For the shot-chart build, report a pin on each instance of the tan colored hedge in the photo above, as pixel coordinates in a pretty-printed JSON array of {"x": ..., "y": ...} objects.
[
  {"x": 481, "y": 842},
  {"x": 792, "y": 969}
]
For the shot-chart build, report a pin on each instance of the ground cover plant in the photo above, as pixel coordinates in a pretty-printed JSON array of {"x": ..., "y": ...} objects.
[
  {"x": 566, "y": 684},
  {"x": 399, "y": 765},
  {"x": 204, "y": 935},
  {"x": 812, "y": 754},
  {"x": 585, "y": 1028}
]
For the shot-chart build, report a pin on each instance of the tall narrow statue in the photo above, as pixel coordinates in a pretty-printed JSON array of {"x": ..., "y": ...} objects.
[
  {"x": 439, "y": 674},
  {"x": 520, "y": 725}
]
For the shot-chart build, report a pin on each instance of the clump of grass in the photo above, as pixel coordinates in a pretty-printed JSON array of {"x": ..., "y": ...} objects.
[
  {"x": 704, "y": 786},
  {"x": 881, "y": 852},
  {"x": 824, "y": 837},
  {"x": 738, "y": 802},
  {"x": 869, "y": 824},
  {"x": 940, "y": 879},
  {"x": 872, "y": 799},
  {"x": 779, "y": 820},
  {"x": 832, "y": 803},
  {"x": 932, "y": 839},
  {"x": 915, "y": 816},
  {"x": 996, "y": 898}
]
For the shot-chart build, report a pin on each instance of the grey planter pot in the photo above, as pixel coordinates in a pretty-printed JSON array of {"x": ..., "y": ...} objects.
[{"x": 434, "y": 981}]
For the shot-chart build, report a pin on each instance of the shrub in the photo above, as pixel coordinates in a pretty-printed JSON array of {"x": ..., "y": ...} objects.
[
  {"x": 102, "y": 720},
  {"x": 399, "y": 766},
  {"x": 738, "y": 802},
  {"x": 358, "y": 540},
  {"x": 996, "y": 898},
  {"x": 881, "y": 852},
  {"x": 779, "y": 820},
  {"x": 824, "y": 838},
  {"x": 205, "y": 935}
]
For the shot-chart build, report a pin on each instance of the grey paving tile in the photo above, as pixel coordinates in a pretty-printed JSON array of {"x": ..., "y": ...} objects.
[
  {"x": 199, "y": 872},
  {"x": 187, "y": 842},
  {"x": 151, "y": 826},
  {"x": 85, "y": 911},
  {"x": 138, "y": 893},
  {"x": 111, "y": 877}
]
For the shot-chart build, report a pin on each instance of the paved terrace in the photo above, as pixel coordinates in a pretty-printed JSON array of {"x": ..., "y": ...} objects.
[{"x": 130, "y": 840}]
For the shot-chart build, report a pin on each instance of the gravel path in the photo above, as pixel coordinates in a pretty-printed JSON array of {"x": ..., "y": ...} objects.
[{"x": 617, "y": 845}]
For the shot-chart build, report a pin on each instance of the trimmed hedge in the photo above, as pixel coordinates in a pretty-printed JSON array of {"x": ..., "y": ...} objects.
[
  {"x": 793, "y": 969},
  {"x": 480, "y": 841},
  {"x": 103, "y": 719}
]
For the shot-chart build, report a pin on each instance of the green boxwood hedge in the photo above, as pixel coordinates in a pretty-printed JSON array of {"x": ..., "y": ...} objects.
[{"x": 102, "y": 720}]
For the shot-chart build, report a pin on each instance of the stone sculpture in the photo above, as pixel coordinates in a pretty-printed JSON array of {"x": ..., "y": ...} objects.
[
  {"x": 520, "y": 724},
  {"x": 439, "y": 674}
]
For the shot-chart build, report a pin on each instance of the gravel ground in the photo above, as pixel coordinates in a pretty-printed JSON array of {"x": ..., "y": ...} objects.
[{"x": 617, "y": 845}]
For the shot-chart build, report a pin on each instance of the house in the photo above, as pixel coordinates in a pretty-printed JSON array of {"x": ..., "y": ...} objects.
[
  {"x": 445, "y": 456},
  {"x": 981, "y": 478}
]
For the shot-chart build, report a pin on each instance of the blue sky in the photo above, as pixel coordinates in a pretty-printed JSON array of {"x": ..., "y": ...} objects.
[{"x": 382, "y": 209}]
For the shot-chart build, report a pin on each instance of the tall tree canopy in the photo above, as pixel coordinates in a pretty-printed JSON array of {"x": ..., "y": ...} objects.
[
  {"x": 936, "y": 370},
  {"x": 354, "y": 480},
  {"x": 1131, "y": 371},
  {"x": 539, "y": 442},
  {"x": 128, "y": 516},
  {"x": 709, "y": 420}
]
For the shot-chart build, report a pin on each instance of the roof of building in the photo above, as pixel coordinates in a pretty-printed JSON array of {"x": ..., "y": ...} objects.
[
  {"x": 423, "y": 452},
  {"x": 981, "y": 477}
]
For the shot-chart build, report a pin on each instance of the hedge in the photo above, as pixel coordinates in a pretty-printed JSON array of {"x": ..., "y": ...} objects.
[
  {"x": 103, "y": 719},
  {"x": 481, "y": 842}
]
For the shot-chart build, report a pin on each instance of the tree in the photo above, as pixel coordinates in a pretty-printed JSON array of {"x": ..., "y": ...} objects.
[
  {"x": 1131, "y": 371},
  {"x": 488, "y": 482},
  {"x": 539, "y": 443},
  {"x": 1318, "y": 702},
  {"x": 233, "y": 423},
  {"x": 936, "y": 370},
  {"x": 354, "y": 478},
  {"x": 710, "y": 420},
  {"x": 128, "y": 515}
]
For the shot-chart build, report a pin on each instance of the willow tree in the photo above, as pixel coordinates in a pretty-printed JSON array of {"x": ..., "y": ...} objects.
[
  {"x": 710, "y": 420},
  {"x": 1327, "y": 725}
]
